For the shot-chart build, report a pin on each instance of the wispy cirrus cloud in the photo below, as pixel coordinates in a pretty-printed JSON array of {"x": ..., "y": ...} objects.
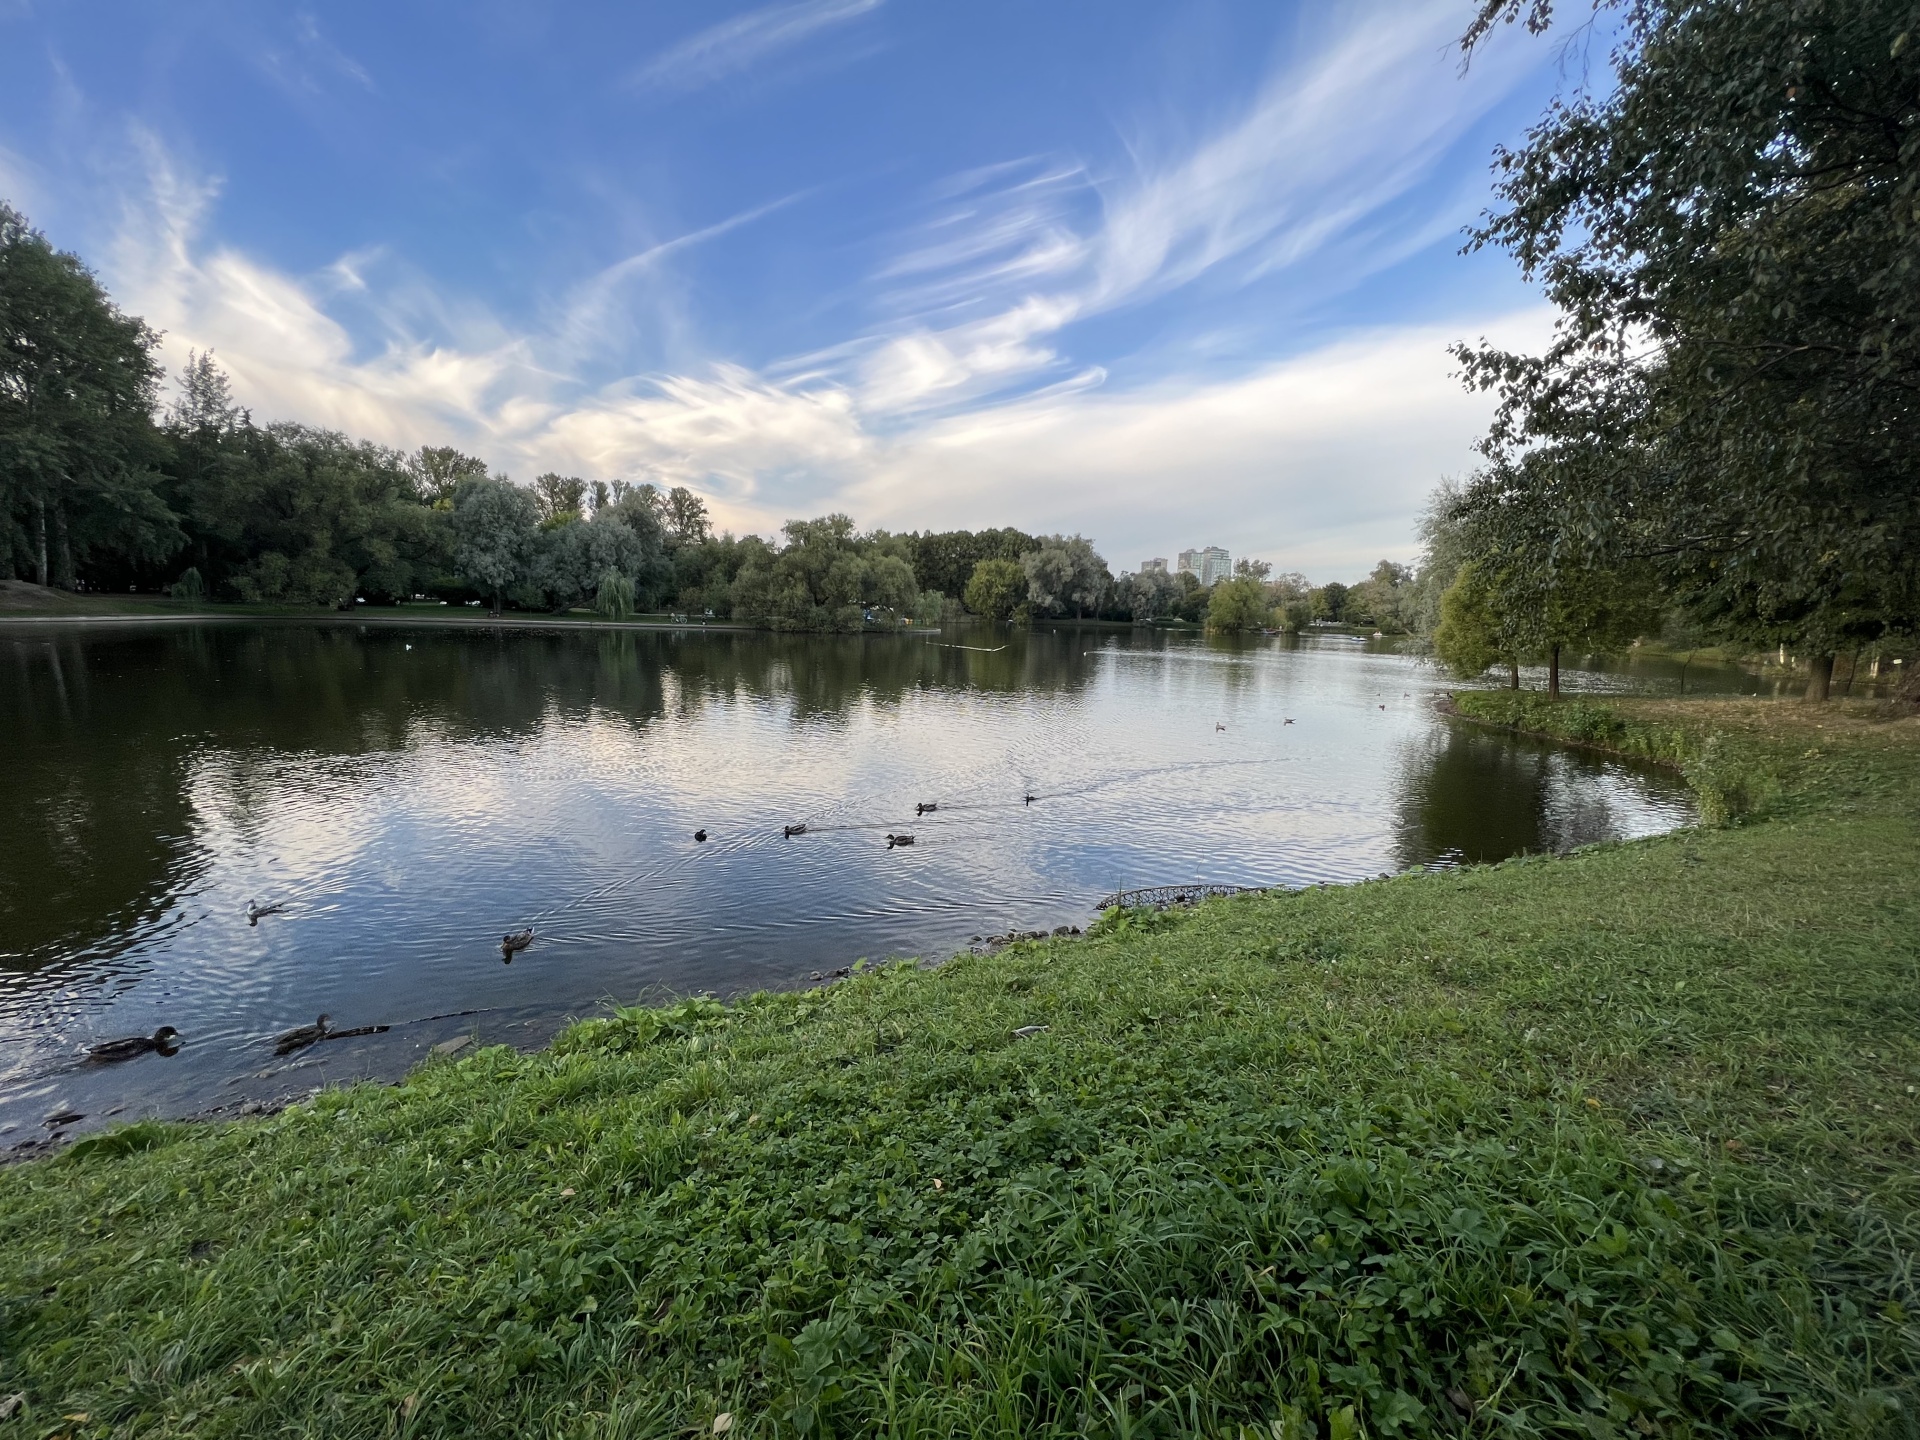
[
  {"x": 738, "y": 44},
  {"x": 962, "y": 399},
  {"x": 1328, "y": 146}
]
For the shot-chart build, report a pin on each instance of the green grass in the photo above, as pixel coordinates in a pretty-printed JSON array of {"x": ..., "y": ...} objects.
[{"x": 1616, "y": 1144}]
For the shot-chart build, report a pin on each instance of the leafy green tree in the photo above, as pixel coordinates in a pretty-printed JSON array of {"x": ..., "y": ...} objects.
[
  {"x": 826, "y": 577},
  {"x": 1470, "y": 638},
  {"x": 1238, "y": 604},
  {"x": 495, "y": 535},
  {"x": 77, "y": 396},
  {"x": 1386, "y": 598},
  {"x": 996, "y": 589},
  {"x": 945, "y": 560},
  {"x": 1329, "y": 601},
  {"x": 1146, "y": 595},
  {"x": 1065, "y": 573},
  {"x": 559, "y": 498},
  {"x": 1733, "y": 392},
  {"x": 574, "y": 557},
  {"x": 613, "y": 598},
  {"x": 437, "y": 471},
  {"x": 685, "y": 515}
]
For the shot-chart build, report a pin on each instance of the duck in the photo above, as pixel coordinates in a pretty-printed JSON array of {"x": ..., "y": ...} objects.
[
  {"x": 1287, "y": 720},
  {"x": 164, "y": 1041},
  {"x": 1219, "y": 725},
  {"x": 699, "y": 837},
  {"x": 303, "y": 1036},
  {"x": 517, "y": 941},
  {"x": 255, "y": 910},
  {"x": 787, "y": 832},
  {"x": 926, "y": 809},
  {"x": 893, "y": 840},
  {"x": 1032, "y": 798}
]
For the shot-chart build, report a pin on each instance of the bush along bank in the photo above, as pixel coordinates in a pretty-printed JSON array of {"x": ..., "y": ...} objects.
[{"x": 1615, "y": 1144}]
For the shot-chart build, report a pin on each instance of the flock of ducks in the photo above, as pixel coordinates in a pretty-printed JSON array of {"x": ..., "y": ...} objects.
[{"x": 167, "y": 1040}]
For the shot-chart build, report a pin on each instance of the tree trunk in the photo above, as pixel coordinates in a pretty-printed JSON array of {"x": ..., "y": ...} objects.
[
  {"x": 1513, "y": 675},
  {"x": 62, "y": 548},
  {"x": 40, "y": 540},
  {"x": 1819, "y": 676},
  {"x": 1553, "y": 673}
]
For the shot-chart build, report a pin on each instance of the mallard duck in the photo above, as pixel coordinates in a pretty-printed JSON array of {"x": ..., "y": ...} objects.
[
  {"x": 519, "y": 940},
  {"x": 255, "y": 910},
  {"x": 165, "y": 1040},
  {"x": 1219, "y": 725},
  {"x": 789, "y": 831},
  {"x": 893, "y": 840},
  {"x": 1032, "y": 798},
  {"x": 305, "y": 1035},
  {"x": 699, "y": 836}
]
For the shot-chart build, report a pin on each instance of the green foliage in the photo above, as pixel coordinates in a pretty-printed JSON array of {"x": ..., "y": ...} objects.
[
  {"x": 189, "y": 586},
  {"x": 437, "y": 471},
  {"x": 131, "y": 1139},
  {"x": 1470, "y": 637},
  {"x": 1065, "y": 575},
  {"x": 1727, "y": 228},
  {"x": 613, "y": 599},
  {"x": 1329, "y": 601},
  {"x": 1238, "y": 604},
  {"x": 826, "y": 577},
  {"x": 996, "y": 589},
  {"x": 1618, "y": 1143},
  {"x": 946, "y": 561},
  {"x": 495, "y": 527},
  {"x": 77, "y": 384}
]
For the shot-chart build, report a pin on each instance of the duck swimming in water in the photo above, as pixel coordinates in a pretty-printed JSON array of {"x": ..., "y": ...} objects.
[
  {"x": 510, "y": 945},
  {"x": 255, "y": 910},
  {"x": 788, "y": 831},
  {"x": 303, "y": 1036},
  {"x": 926, "y": 809},
  {"x": 163, "y": 1041},
  {"x": 893, "y": 840},
  {"x": 699, "y": 836}
]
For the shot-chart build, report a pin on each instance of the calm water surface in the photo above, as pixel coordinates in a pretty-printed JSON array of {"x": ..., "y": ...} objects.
[{"x": 410, "y": 793}]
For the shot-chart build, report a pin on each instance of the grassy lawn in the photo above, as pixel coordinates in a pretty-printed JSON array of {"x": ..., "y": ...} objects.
[{"x": 1621, "y": 1143}]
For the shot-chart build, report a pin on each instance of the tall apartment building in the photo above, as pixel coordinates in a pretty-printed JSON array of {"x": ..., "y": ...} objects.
[
  {"x": 1155, "y": 566},
  {"x": 1206, "y": 565}
]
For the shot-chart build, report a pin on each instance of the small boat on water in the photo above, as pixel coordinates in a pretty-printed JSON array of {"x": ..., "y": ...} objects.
[{"x": 164, "y": 1041}]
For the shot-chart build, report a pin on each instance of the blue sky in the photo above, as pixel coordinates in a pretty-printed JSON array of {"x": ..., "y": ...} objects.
[{"x": 1163, "y": 275}]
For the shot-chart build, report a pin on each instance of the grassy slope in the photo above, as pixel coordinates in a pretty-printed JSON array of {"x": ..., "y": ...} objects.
[{"x": 1616, "y": 1144}]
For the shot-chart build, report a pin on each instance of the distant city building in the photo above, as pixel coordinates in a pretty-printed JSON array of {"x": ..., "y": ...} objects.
[
  {"x": 1206, "y": 565},
  {"x": 1156, "y": 566}
]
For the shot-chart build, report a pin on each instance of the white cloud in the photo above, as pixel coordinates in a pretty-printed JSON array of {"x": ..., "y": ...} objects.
[
  {"x": 1329, "y": 142},
  {"x": 737, "y": 44},
  {"x": 1318, "y": 461}
]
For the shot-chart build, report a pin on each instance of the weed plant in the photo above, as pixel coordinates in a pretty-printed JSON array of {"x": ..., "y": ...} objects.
[{"x": 1617, "y": 1144}]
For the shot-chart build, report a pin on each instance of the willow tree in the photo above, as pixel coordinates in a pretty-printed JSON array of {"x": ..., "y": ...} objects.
[{"x": 1732, "y": 393}]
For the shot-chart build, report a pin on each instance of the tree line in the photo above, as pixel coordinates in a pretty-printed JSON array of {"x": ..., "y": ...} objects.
[
  {"x": 1721, "y": 439},
  {"x": 104, "y": 488}
]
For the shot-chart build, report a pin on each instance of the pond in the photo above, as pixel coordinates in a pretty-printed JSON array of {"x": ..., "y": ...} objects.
[{"x": 408, "y": 793}]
